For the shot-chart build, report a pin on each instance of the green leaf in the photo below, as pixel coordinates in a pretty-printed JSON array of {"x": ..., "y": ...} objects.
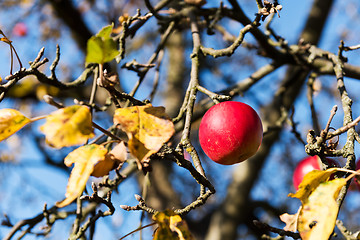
[
  {"x": 105, "y": 32},
  {"x": 102, "y": 48}
]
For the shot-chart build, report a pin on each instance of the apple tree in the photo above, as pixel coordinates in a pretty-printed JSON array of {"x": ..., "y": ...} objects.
[{"x": 111, "y": 113}]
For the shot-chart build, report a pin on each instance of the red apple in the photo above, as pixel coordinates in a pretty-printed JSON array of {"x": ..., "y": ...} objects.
[
  {"x": 355, "y": 182},
  {"x": 230, "y": 132},
  {"x": 20, "y": 29},
  {"x": 357, "y": 177},
  {"x": 307, "y": 165}
]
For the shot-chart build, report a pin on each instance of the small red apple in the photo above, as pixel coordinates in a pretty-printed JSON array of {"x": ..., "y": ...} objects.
[
  {"x": 20, "y": 29},
  {"x": 230, "y": 132},
  {"x": 307, "y": 165},
  {"x": 355, "y": 182}
]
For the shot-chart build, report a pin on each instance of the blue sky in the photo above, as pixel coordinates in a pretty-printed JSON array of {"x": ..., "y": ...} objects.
[{"x": 43, "y": 184}]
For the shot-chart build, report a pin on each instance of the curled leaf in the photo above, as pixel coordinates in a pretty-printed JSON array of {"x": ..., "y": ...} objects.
[
  {"x": 84, "y": 158},
  {"x": 112, "y": 159},
  {"x": 147, "y": 127},
  {"x": 11, "y": 121},
  {"x": 68, "y": 126}
]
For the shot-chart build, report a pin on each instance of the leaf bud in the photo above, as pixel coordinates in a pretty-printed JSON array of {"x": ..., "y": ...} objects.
[
  {"x": 125, "y": 207},
  {"x": 138, "y": 198}
]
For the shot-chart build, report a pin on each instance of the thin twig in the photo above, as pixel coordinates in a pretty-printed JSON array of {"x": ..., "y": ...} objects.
[
  {"x": 138, "y": 229},
  {"x": 96, "y": 198},
  {"x": 106, "y": 132},
  {"x": 231, "y": 49},
  {"x": 55, "y": 62},
  {"x": 157, "y": 75},
  {"x": 281, "y": 232},
  {"x": 352, "y": 48},
  {"x": 141, "y": 206},
  {"x": 79, "y": 216},
  {"x": 161, "y": 45},
  {"x": 215, "y": 97},
  {"x": 310, "y": 97},
  {"x": 325, "y": 132},
  {"x": 343, "y": 129},
  {"x": 153, "y": 11}
]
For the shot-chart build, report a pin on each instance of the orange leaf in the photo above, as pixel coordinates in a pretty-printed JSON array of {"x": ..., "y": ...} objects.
[
  {"x": 147, "y": 127},
  {"x": 11, "y": 121},
  {"x": 68, "y": 126},
  {"x": 119, "y": 152},
  {"x": 84, "y": 158},
  {"x": 116, "y": 156}
]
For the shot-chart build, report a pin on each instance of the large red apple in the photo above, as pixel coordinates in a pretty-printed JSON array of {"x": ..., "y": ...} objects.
[
  {"x": 307, "y": 165},
  {"x": 230, "y": 132}
]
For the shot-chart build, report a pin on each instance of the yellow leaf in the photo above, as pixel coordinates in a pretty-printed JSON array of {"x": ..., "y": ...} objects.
[
  {"x": 84, "y": 158},
  {"x": 11, "y": 121},
  {"x": 180, "y": 227},
  {"x": 42, "y": 90},
  {"x": 171, "y": 227},
  {"x": 139, "y": 150},
  {"x": 112, "y": 159},
  {"x": 310, "y": 182},
  {"x": 24, "y": 88},
  {"x": 147, "y": 127},
  {"x": 68, "y": 126},
  {"x": 319, "y": 212}
]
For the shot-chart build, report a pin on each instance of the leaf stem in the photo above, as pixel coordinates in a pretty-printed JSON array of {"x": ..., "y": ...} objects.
[
  {"x": 34, "y": 119},
  {"x": 98, "y": 72}
]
